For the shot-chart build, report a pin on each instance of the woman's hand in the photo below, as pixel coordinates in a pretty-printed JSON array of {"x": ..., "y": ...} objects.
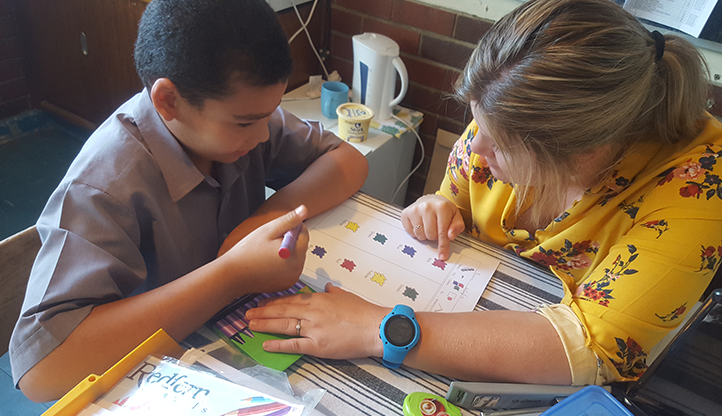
[
  {"x": 255, "y": 258},
  {"x": 336, "y": 324},
  {"x": 433, "y": 217}
]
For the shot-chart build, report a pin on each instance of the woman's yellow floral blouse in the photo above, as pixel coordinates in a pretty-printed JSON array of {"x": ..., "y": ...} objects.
[{"x": 634, "y": 253}]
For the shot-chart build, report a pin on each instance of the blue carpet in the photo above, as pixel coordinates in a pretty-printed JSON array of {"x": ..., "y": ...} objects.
[
  {"x": 12, "y": 401},
  {"x": 36, "y": 149}
]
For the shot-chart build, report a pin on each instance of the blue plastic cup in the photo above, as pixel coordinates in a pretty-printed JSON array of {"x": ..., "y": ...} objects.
[{"x": 333, "y": 94}]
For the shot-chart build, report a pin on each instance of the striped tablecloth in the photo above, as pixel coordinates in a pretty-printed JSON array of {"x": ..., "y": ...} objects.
[{"x": 366, "y": 387}]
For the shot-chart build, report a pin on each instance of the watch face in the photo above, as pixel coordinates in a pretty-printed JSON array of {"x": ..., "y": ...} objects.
[{"x": 399, "y": 330}]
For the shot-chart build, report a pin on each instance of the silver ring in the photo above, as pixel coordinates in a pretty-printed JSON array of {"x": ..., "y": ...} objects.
[
  {"x": 417, "y": 226},
  {"x": 298, "y": 328}
]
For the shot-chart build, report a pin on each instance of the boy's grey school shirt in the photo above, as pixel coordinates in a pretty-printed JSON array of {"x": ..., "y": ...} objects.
[{"x": 133, "y": 213}]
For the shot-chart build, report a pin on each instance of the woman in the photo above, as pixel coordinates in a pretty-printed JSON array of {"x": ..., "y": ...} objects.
[{"x": 591, "y": 153}]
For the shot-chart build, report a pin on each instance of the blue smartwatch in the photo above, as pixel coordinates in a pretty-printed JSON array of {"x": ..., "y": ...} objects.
[{"x": 399, "y": 332}]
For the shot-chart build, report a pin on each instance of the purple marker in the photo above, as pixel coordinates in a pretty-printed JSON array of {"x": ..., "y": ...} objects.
[
  {"x": 241, "y": 315},
  {"x": 295, "y": 288},
  {"x": 239, "y": 324},
  {"x": 292, "y": 290},
  {"x": 280, "y": 412},
  {"x": 289, "y": 240},
  {"x": 229, "y": 330},
  {"x": 225, "y": 327}
]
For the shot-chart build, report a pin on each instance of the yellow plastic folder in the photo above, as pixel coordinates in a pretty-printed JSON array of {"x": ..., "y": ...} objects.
[{"x": 93, "y": 387}]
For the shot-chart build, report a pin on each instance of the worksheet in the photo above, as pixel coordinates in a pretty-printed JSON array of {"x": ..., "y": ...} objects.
[
  {"x": 687, "y": 16},
  {"x": 370, "y": 254}
]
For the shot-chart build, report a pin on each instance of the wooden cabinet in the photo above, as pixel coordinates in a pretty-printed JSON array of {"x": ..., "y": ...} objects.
[
  {"x": 92, "y": 85},
  {"x": 89, "y": 85}
]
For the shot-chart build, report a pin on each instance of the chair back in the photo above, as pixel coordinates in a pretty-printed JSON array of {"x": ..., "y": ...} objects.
[{"x": 17, "y": 254}]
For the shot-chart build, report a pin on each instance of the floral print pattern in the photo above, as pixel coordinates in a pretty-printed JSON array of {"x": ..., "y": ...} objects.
[
  {"x": 617, "y": 184},
  {"x": 674, "y": 314},
  {"x": 660, "y": 225},
  {"x": 710, "y": 258},
  {"x": 599, "y": 291},
  {"x": 606, "y": 198},
  {"x": 632, "y": 357},
  {"x": 631, "y": 209},
  {"x": 561, "y": 218},
  {"x": 512, "y": 232},
  {"x": 458, "y": 162},
  {"x": 620, "y": 181},
  {"x": 698, "y": 175},
  {"x": 481, "y": 174},
  {"x": 571, "y": 256},
  {"x": 672, "y": 182}
]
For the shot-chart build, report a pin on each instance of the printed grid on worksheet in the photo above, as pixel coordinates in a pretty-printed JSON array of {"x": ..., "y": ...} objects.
[{"x": 359, "y": 249}]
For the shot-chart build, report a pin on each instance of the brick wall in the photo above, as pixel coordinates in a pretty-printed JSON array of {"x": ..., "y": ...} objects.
[
  {"x": 434, "y": 44},
  {"x": 14, "y": 86}
]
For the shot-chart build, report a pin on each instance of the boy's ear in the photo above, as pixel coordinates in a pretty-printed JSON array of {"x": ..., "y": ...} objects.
[{"x": 165, "y": 97}]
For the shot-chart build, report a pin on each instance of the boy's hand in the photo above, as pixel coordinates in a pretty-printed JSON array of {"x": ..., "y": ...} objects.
[
  {"x": 255, "y": 258},
  {"x": 433, "y": 217}
]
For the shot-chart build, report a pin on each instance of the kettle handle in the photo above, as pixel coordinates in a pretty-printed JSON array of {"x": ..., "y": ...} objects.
[{"x": 401, "y": 68}]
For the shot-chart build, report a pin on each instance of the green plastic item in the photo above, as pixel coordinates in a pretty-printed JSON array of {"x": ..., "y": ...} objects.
[
  {"x": 427, "y": 404},
  {"x": 253, "y": 346}
]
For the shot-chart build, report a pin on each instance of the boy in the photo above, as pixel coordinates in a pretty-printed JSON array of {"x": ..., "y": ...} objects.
[{"x": 130, "y": 236}]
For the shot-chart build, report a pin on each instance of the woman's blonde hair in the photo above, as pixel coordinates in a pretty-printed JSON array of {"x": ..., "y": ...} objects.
[{"x": 556, "y": 80}]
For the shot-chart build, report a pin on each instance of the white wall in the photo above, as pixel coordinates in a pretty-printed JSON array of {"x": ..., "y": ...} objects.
[{"x": 494, "y": 9}]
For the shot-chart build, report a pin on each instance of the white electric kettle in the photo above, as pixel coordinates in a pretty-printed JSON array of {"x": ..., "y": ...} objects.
[{"x": 375, "y": 63}]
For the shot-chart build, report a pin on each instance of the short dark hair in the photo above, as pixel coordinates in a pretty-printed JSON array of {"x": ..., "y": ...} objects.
[{"x": 203, "y": 45}]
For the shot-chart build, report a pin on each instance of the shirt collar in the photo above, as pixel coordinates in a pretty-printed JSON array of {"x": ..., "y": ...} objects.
[
  {"x": 628, "y": 168},
  {"x": 179, "y": 172}
]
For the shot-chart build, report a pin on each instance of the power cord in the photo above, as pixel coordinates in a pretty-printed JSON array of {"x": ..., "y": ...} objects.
[
  {"x": 325, "y": 71},
  {"x": 308, "y": 35},
  {"x": 423, "y": 155},
  {"x": 303, "y": 25}
]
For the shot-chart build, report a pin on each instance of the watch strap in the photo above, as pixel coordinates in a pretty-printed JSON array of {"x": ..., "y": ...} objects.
[
  {"x": 393, "y": 359},
  {"x": 393, "y": 355}
]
